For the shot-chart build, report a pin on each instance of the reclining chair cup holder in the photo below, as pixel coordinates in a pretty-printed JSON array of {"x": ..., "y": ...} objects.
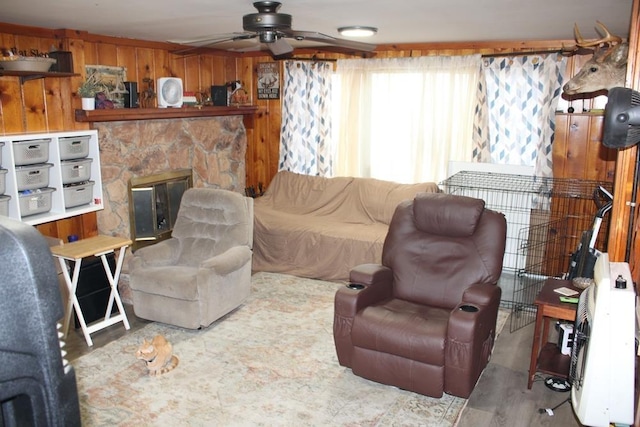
[
  {"x": 468, "y": 308},
  {"x": 355, "y": 286}
]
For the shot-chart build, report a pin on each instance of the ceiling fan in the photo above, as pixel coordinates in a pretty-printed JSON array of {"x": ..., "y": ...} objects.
[{"x": 272, "y": 29}]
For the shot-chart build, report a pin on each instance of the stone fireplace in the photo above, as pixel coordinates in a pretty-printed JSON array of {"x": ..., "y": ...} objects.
[{"x": 212, "y": 147}]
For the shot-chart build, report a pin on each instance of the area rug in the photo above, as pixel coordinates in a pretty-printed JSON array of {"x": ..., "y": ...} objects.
[{"x": 272, "y": 362}]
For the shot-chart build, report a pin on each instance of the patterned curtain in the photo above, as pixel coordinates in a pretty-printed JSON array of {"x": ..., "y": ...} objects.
[
  {"x": 515, "y": 118},
  {"x": 306, "y": 123}
]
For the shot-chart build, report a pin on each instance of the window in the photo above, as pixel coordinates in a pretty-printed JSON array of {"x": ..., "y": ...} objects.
[{"x": 403, "y": 119}]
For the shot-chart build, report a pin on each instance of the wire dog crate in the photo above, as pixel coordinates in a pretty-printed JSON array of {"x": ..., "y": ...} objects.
[{"x": 545, "y": 220}]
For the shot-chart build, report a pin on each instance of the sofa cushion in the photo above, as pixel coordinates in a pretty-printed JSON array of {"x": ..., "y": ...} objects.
[
  {"x": 376, "y": 328},
  {"x": 179, "y": 282},
  {"x": 380, "y": 198},
  {"x": 312, "y": 246}
]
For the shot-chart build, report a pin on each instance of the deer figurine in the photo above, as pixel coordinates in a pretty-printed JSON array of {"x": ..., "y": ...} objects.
[{"x": 606, "y": 69}]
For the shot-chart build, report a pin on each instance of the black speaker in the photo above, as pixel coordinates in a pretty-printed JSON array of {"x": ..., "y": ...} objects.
[
  {"x": 219, "y": 96},
  {"x": 37, "y": 387},
  {"x": 131, "y": 98}
]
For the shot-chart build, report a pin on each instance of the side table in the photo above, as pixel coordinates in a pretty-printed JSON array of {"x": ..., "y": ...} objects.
[
  {"x": 546, "y": 356},
  {"x": 98, "y": 246}
]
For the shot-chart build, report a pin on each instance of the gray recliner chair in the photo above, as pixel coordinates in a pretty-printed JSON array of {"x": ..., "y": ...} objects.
[{"x": 204, "y": 270}]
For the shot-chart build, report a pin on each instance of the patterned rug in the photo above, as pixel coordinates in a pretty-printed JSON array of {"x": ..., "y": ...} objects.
[{"x": 270, "y": 363}]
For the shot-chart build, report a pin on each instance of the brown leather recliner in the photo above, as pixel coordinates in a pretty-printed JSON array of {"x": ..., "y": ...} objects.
[{"x": 425, "y": 319}]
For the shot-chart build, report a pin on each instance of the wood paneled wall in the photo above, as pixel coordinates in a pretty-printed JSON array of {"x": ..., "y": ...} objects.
[
  {"x": 578, "y": 151},
  {"x": 48, "y": 104}
]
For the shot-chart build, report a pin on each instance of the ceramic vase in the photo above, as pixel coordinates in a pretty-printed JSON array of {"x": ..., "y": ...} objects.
[{"x": 88, "y": 103}]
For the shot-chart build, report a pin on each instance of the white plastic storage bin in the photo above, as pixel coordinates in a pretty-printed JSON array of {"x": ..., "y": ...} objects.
[
  {"x": 31, "y": 151},
  {"x": 75, "y": 170},
  {"x": 74, "y": 147},
  {"x": 30, "y": 177},
  {"x": 4, "y": 205},
  {"x": 3, "y": 180},
  {"x": 78, "y": 194},
  {"x": 36, "y": 201}
]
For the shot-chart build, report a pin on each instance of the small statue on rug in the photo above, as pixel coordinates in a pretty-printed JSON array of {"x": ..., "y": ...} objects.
[{"x": 157, "y": 355}]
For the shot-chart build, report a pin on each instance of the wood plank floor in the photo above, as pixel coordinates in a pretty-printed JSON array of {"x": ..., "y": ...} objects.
[
  {"x": 77, "y": 346},
  {"x": 501, "y": 397}
]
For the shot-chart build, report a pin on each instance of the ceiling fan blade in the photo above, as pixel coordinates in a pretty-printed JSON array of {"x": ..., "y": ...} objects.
[
  {"x": 220, "y": 38},
  {"x": 280, "y": 47},
  {"x": 323, "y": 38}
]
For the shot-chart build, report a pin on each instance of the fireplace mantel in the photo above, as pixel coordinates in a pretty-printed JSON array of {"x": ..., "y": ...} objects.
[{"x": 122, "y": 114}]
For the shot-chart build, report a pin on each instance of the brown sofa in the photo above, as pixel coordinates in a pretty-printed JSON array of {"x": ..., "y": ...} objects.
[
  {"x": 316, "y": 227},
  {"x": 424, "y": 319}
]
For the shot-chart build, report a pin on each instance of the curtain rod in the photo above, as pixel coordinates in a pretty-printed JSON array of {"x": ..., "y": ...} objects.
[
  {"x": 486, "y": 55},
  {"x": 520, "y": 53},
  {"x": 313, "y": 58}
]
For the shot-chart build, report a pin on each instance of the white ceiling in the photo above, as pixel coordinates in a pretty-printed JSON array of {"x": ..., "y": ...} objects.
[{"x": 400, "y": 21}]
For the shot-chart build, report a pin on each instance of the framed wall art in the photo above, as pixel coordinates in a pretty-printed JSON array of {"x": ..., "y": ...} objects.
[
  {"x": 110, "y": 80},
  {"x": 268, "y": 80}
]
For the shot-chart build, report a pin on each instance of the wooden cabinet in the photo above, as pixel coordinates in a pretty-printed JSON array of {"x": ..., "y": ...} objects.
[
  {"x": 578, "y": 151},
  {"x": 45, "y": 179}
]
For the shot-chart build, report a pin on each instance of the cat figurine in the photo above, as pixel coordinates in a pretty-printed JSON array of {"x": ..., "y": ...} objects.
[{"x": 158, "y": 355}]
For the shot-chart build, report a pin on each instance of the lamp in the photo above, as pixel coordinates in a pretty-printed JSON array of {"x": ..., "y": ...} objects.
[{"x": 357, "y": 31}]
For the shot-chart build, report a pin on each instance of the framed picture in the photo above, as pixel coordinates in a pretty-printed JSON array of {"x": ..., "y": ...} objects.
[
  {"x": 268, "y": 80},
  {"x": 111, "y": 81}
]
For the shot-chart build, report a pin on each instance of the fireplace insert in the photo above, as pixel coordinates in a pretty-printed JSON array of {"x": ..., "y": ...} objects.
[{"x": 154, "y": 201}]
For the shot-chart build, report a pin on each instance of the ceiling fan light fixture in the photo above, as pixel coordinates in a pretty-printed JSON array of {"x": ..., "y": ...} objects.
[
  {"x": 268, "y": 36},
  {"x": 357, "y": 31}
]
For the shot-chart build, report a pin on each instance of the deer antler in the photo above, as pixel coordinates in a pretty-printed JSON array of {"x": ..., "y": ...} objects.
[
  {"x": 607, "y": 38},
  {"x": 607, "y": 41}
]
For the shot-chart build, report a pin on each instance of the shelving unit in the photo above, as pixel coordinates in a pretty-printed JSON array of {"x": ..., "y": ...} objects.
[{"x": 58, "y": 210}]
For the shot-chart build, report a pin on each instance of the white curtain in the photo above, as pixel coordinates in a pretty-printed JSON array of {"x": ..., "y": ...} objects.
[
  {"x": 306, "y": 126},
  {"x": 404, "y": 119},
  {"x": 515, "y": 119}
]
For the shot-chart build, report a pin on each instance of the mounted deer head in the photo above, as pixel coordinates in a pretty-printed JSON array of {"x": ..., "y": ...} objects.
[{"x": 606, "y": 69}]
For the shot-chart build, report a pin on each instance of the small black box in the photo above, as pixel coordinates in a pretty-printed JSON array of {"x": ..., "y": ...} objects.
[
  {"x": 64, "y": 61},
  {"x": 131, "y": 98},
  {"x": 219, "y": 96}
]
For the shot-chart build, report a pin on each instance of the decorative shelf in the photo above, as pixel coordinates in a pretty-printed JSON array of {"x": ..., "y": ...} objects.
[
  {"x": 32, "y": 75},
  {"x": 123, "y": 114}
]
